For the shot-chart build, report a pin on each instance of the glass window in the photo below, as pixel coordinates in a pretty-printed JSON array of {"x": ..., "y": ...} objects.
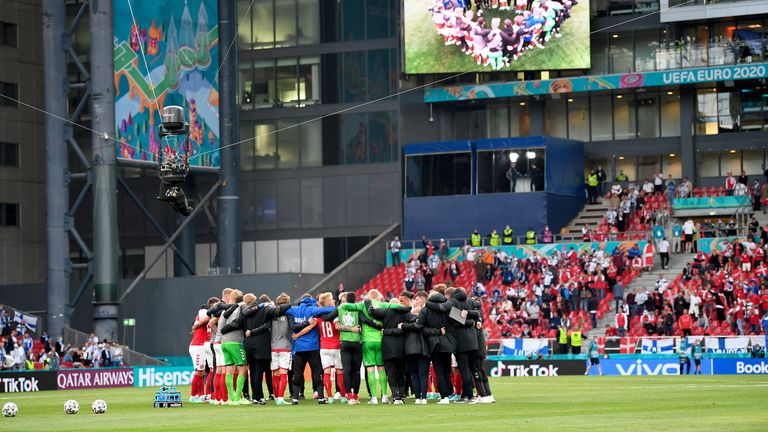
[
  {"x": 709, "y": 164},
  {"x": 287, "y": 83},
  {"x": 287, "y": 144},
  {"x": 9, "y": 154},
  {"x": 602, "y": 127},
  {"x": 556, "y": 118},
  {"x": 440, "y": 174},
  {"x": 352, "y": 19},
  {"x": 309, "y": 80},
  {"x": 10, "y": 90},
  {"x": 312, "y": 255},
  {"x": 694, "y": 51},
  {"x": 752, "y": 109},
  {"x": 289, "y": 256},
  {"x": 721, "y": 49},
  {"x": 244, "y": 34},
  {"x": 309, "y": 22},
  {"x": 620, "y": 52},
  {"x": 671, "y": 164},
  {"x": 9, "y": 214},
  {"x": 246, "y": 85},
  {"x": 382, "y": 136},
  {"x": 378, "y": 73},
  {"x": 520, "y": 119},
  {"x": 263, "y": 89},
  {"x": 285, "y": 23},
  {"x": 8, "y": 34},
  {"x": 263, "y": 23},
  {"x": 730, "y": 162},
  {"x": 624, "y": 119},
  {"x": 247, "y": 148},
  {"x": 498, "y": 121},
  {"x": 670, "y": 113},
  {"x": 669, "y": 55},
  {"x": 578, "y": 118},
  {"x": 377, "y": 14},
  {"x": 753, "y": 162},
  {"x": 648, "y": 115},
  {"x": 311, "y": 144},
  {"x": 265, "y": 146},
  {"x": 647, "y": 167},
  {"x": 266, "y": 256},
  {"x": 706, "y": 112},
  {"x": 599, "y": 48},
  {"x": 749, "y": 34},
  {"x": 518, "y": 170},
  {"x": 312, "y": 202},
  {"x": 627, "y": 165},
  {"x": 728, "y": 111},
  {"x": 646, "y": 45},
  {"x": 354, "y": 77},
  {"x": 354, "y": 132}
]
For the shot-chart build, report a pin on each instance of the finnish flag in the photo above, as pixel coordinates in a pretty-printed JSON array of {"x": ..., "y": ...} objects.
[
  {"x": 29, "y": 321},
  {"x": 658, "y": 346}
]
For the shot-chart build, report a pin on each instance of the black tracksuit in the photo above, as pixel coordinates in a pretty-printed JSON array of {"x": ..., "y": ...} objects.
[
  {"x": 258, "y": 346},
  {"x": 416, "y": 355},
  {"x": 476, "y": 359},
  {"x": 441, "y": 346},
  {"x": 393, "y": 347},
  {"x": 466, "y": 335}
]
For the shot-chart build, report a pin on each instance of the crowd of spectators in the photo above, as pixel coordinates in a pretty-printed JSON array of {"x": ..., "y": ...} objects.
[
  {"x": 20, "y": 350},
  {"x": 530, "y": 296},
  {"x": 723, "y": 293}
]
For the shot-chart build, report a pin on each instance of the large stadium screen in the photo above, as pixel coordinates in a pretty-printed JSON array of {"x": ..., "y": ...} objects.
[
  {"x": 169, "y": 57},
  {"x": 451, "y": 36}
]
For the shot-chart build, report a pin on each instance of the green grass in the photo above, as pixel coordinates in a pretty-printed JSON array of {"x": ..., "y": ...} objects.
[
  {"x": 425, "y": 51},
  {"x": 716, "y": 403}
]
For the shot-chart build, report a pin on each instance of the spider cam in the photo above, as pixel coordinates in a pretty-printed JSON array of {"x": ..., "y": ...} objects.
[{"x": 173, "y": 158}]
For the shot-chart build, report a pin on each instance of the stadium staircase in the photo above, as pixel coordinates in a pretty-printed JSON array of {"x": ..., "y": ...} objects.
[{"x": 591, "y": 214}]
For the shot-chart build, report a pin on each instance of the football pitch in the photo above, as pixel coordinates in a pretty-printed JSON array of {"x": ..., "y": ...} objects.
[{"x": 700, "y": 403}]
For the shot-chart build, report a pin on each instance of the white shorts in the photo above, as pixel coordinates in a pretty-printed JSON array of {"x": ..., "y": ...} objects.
[
  {"x": 208, "y": 354},
  {"x": 280, "y": 360},
  {"x": 330, "y": 358},
  {"x": 198, "y": 358},
  {"x": 219, "y": 355},
  {"x": 454, "y": 364}
]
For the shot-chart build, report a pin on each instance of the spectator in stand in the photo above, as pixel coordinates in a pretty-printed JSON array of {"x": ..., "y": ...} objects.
[
  {"x": 618, "y": 295},
  {"x": 647, "y": 186},
  {"x": 743, "y": 179},
  {"x": 442, "y": 251},
  {"x": 621, "y": 322},
  {"x": 117, "y": 355},
  {"x": 663, "y": 246},
  {"x": 677, "y": 234},
  {"x": 668, "y": 321},
  {"x": 764, "y": 197},
  {"x": 740, "y": 190},
  {"x": 547, "y": 236},
  {"x": 685, "y": 323},
  {"x": 658, "y": 182},
  {"x": 106, "y": 355},
  {"x": 730, "y": 184},
  {"x": 764, "y": 324},
  {"x": 601, "y": 177},
  {"x": 688, "y": 229},
  {"x": 592, "y": 305},
  {"x": 756, "y": 193},
  {"x": 27, "y": 344},
  {"x": 671, "y": 186},
  {"x": 19, "y": 357},
  {"x": 648, "y": 321},
  {"x": 616, "y": 189}
]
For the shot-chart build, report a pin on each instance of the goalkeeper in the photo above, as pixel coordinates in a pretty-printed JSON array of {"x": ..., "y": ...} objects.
[{"x": 371, "y": 332}]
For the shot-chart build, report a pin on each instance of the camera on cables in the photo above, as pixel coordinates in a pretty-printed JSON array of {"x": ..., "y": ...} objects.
[{"x": 173, "y": 157}]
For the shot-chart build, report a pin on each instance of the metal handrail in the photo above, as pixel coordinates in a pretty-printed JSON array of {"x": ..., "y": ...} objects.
[{"x": 519, "y": 240}]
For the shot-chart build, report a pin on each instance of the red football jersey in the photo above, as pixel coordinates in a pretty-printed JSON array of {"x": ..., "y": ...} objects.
[
  {"x": 201, "y": 334},
  {"x": 329, "y": 335}
]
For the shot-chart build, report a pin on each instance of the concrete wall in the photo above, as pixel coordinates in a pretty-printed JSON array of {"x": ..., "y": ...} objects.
[{"x": 22, "y": 248}]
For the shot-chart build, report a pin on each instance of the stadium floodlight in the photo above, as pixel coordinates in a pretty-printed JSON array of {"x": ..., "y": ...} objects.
[
  {"x": 530, "y": 155},
  {"x": 513, "y": 157}
]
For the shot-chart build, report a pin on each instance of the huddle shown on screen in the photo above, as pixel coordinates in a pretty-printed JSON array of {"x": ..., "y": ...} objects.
[{"x": 532, "y": 25}]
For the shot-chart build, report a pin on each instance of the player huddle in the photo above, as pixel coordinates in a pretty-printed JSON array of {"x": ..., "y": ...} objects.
[
  {"x": 431, "y": 345},
  {"x": 533, "y": 24}
]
